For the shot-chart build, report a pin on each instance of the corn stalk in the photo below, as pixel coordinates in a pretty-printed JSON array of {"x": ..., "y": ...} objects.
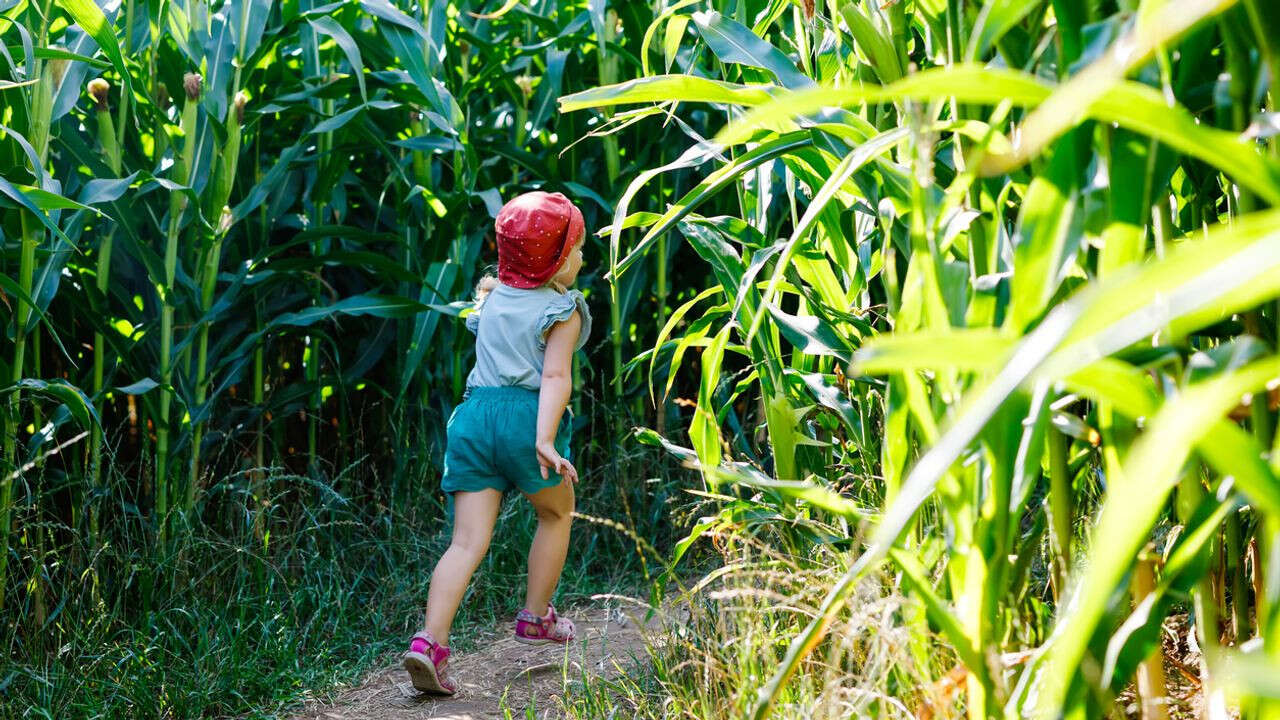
[
  {"x": 109, "y": 141},
  {"x": 219, "y": 194},
  {"x": 932, "y": 253},
  {"x": 178, "y": 205},
  {"x": 40, "y": 103}
]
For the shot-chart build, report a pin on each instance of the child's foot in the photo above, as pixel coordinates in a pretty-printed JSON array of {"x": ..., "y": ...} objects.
[
  {"x": 534, "y": 630},
  {"x": 427, "y": 661}
]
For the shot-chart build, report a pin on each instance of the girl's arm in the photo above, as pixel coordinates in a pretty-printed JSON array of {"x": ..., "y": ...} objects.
[{"x": 557, "y": 384}]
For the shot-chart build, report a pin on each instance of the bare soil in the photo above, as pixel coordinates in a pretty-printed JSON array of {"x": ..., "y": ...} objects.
[{"x": 501, "y": 675}]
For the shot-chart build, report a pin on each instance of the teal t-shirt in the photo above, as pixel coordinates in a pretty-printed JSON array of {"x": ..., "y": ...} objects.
[{"x": 511, "y": 333}]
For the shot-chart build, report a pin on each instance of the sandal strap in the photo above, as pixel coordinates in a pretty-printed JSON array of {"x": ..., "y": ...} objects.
[
  {"x": 550, "y": 626},
  {"x": 526, "y": 616},
  {"x": 423, "y": 642}
]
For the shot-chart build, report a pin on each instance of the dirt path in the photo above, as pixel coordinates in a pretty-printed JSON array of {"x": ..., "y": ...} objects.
[{"x": 501, "y": 674}]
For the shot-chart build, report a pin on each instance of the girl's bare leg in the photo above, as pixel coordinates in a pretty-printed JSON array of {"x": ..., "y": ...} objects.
[
  {"x": 554, "y": 507},
  {"x": 474, "y": 514}
]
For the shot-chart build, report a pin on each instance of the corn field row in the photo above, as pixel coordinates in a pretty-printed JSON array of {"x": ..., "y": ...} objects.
[{"x": 965, "y": 311}]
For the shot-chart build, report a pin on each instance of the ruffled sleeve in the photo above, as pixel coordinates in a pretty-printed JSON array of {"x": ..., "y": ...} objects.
[
  {"x": 472, "y": 321},
  {"x": 559, "y": 309}
]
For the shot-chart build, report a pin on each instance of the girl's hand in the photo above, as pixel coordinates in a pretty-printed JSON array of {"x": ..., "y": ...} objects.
[{"x": 549, "y": 459}]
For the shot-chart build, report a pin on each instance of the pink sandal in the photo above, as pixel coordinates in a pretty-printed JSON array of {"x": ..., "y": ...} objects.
[
  {"x": 534, "y": 630},
  {"x": 427, "y": 661}
]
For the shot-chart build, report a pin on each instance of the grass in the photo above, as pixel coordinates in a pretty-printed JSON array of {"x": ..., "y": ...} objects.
[
  {"x": 227, "y": 624},
  {"x": 726, "y": 617},
  {"x": 969, "y": 318},
  {"x": 945, "y": 297}
]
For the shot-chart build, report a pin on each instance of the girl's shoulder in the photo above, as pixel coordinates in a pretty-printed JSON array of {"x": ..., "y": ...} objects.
[{"x": 560, "y": 308}]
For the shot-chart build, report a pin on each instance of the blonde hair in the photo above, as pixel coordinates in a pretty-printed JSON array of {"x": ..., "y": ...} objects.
[{"x": 484, "y": 287}]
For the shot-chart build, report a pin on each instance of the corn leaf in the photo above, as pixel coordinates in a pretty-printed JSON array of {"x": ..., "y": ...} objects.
[
  {"x": 666, "y": 88},
  {"x": 733, "y": 42}
]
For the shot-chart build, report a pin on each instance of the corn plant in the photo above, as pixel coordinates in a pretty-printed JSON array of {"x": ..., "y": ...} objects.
[
  {"x": 246, "y": 229},
  {"x": 197, "y": 219},
  {"x": 1022, "y": 291},
  {"x": 38, "y": 205}
]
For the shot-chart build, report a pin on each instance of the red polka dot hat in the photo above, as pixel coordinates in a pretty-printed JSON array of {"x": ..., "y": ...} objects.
[{"x": 536, "y": 231}]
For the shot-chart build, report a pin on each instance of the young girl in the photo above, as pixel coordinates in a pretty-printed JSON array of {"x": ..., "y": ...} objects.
[{"x": 511, "y": 431}]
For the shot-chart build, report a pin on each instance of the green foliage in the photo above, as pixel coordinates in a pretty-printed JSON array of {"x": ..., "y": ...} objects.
[
  {"x": 228, "y": 621},
  {"x": 1020, "y": 230},
  {"x": 243, "y": 253},
  {"x": 984, "y": 296}
]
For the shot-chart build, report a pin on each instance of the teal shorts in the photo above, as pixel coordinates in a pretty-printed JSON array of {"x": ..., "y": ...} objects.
[{"x": 490, "y": 442}]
